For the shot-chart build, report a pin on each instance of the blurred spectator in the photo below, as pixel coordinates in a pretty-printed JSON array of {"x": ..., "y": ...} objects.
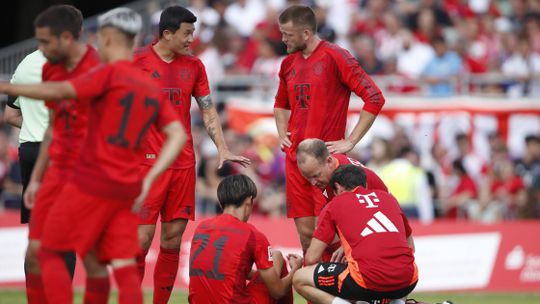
[
  {"x": 528, "y": 167},
  {"x": 363, "y": 48},
  {"x": 324, "y": 30},
  {"x": 381, "y": 154},
  {"x": 508, "y": 189},
  {"x": 244, "y": 15},
  {"x": 389, "y": 39},
  {"x": 441, "y": 73},
  {"x": 476, "y": 167},
  {"x": 409, "y": 185},
  {"x": 414, "y": 57},
  {"x": 524, "y": 68},
  {"x": 466, "y": 192},
  {"x": 532, "y": 29}
]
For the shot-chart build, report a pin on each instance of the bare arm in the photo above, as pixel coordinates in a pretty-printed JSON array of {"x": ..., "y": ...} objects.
[
  {"x": 282, "y": 121},
  {"x": 13, "y": 117},
  {"x": 277, "y": 286},
  {"x": 213, "y": 128},
  {"x": 315, "y": 251},
  {"x": 175, "y": 140},
  {"x": 41, "y": 165},
  {"x": 43, "y": 91}
]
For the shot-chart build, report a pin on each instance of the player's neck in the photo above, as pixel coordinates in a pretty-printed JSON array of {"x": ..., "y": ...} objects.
[
  {"x": 75, "y": 54},
  {"x": 239, "y": 213},
  {"x": 120, "y": 54},
  {"x": 164, "y": 52},
  {"x": 311, "y": 46}
]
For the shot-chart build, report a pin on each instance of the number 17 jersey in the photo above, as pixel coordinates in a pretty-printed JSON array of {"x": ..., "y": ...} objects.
[
  {"x": 223, "y": 251},
  {"x": 123, "y": 107}
]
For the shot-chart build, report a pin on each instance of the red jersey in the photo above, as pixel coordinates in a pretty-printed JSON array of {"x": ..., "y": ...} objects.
[
  {"x": 70, "y": 117},
  {"x": 371, "y": 227},
  {"x": 223, "y": 251},
  {"x": 373, "y": 181},
  {"x": 317, "y": 91},
  {"x": 123, "y": 107},
  {"x": 179, "y": 79}
]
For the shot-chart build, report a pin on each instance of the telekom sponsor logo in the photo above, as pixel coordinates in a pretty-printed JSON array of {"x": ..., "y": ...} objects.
[{"x": 527, "y": 264}]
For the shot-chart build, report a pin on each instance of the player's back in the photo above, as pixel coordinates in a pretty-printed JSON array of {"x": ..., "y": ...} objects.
[
  {"x": 223, "y": 251},
  {"x": 124, "y": 106},
  {"x": 70, "y": 116},
  {"x": 373, "y": 181},
  {"x": 371, "y": 226}
]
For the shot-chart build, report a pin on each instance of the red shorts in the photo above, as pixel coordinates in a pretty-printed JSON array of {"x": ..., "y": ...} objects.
[
  {"x": 172, "y": 196},
  {"x": 80, "y": 221},
  {"x": 53, "y": 182},
  {"x": 303, "y": 199}
]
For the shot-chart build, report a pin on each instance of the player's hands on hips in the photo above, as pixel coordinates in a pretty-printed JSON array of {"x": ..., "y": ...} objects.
[
  {"x": 140, "y": 199},
  {"x": 339, "y": 146},
  {"x": 295, "y": 261},
  {"x": 338, "y": 256},
  {"x": 228, "y": 156},
  {"x": 285, "y": 142},
  {"x": 30, "y": 194}
]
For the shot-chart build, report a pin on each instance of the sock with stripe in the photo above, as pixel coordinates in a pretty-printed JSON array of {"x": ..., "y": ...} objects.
[
  {"x": 165, "y": 274},
  {"x": 129, "y": 285}
]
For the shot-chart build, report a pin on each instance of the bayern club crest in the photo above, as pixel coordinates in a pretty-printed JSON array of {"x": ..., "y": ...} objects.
[{"x": 318, "y": 68}]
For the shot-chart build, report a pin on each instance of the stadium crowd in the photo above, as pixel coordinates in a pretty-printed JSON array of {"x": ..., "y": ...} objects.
[{"x": 499, "y": 39}]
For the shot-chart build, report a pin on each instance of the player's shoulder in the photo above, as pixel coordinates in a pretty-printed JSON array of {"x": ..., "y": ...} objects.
[
  {"x": 336, "y": 52},
  {"x": 93, "y": 55},
  {"x": 141, "y": 51}
]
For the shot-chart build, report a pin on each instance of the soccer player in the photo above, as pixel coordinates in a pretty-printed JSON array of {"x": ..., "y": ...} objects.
[
  {"x": 57, "y": 31},
  {"x": 94, "y": 212},
  {"x": 224, "y": 249},
  {"x": 180, "y": 76},
  {"x": 317, "y": 165},
  {"x": 379, "y": 262},
  {"x": 316, "y": 80}
]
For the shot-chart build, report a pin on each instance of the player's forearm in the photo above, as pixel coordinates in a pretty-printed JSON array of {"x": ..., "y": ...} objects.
[
  {"x": 175, "y": 140},
  {"x": 42, "y": 91},
  {"x": 13, "y": 117},
  {"x": 212, "y": 124},
  {"x": 362, "y": 126},
  {"x": 42, "y": 161},
  {"x": 282, "y": 121}
]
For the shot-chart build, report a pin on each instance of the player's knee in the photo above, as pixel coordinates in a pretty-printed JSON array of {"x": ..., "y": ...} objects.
[
  {"x": 299, "y": 279},
  {"x": 31, "y": 262},
  {"x": 145, "y": 239},
  {"x": 94, "y": 268}
]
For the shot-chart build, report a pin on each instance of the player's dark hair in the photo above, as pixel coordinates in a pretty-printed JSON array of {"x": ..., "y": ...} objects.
[
  {"x": 529, "y": 139},
  {"x": 172, "y": 18},
  {"x": 314, "y": 147},
  {"x": 349, "y": 177},
  {"x": 299, "y": 15},
  {"x": 61, "y": 18},
  {"x": 234, "y": 189}
]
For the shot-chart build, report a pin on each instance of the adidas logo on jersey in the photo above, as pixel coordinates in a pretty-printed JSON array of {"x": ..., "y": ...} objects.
[
  {"x": 379, "y": 224},
  {"x": 155, "y": 74}
]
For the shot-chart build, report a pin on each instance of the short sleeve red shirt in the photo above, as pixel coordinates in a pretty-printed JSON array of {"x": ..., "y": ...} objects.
[
  {"x": 317, "y": 90},
  {"x": 373, "y": 181},
  {"x": 373, "y": 234},
  {"x": 70, "y": 118},
  {"x": 123, "y": 107},
  {"x": 179, "y": 80},
  {"x": 223, "y": 251}
]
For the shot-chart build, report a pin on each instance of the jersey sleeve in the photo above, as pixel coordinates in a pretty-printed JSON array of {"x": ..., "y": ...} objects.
[
  {"x": 326, "y": 228},
  {"x": 408, "y": 229},
  {"x": 166, "y": 114},
  {"x": 282, "y": 99},
  {"x": 263, "y": 251},
  {"x": 351, "y": 74},
  {"x": 201, "y": 86},
  {"x": 93, "y": 83}
]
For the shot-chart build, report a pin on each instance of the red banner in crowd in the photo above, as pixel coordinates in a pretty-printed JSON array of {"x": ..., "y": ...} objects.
[{"x": 450, "y": 255}]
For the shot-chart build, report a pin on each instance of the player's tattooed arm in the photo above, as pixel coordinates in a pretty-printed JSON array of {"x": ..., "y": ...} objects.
[
  {"x": 212, "y": 124},
  {"x": 204, "y": 102}
]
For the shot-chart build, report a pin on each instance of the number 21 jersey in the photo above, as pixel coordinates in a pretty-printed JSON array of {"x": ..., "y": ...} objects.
[{"x": 223, "y": 251}]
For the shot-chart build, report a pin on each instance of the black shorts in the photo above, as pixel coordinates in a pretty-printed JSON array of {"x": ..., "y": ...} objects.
[{"x": 326, "y": 278}]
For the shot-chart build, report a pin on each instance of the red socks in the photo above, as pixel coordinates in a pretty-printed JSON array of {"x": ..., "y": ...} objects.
[
  {"x": 97, "y": 290},
  {"x": 165, "y": 274},
  {"x": 55, "y": 277},
  {"x": 141, "y": 263},
  {"x": 34, "y": 289},
  {"x": 129, "y": 285}
]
